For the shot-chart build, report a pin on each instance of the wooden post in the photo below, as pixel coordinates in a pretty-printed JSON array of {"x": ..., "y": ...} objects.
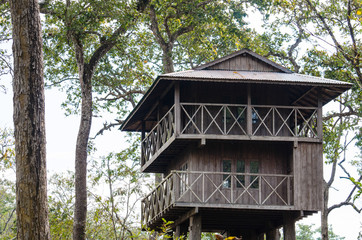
[
  {"x": 273, "y": 234},
  {"x": 143, "y": 135},
  {"x": 195, "y": 227},
  {"x": 249, "y": 120},
  {"x": 320, "y": 118},
  {"x": 177, "y": 234},
  {"x": 289, "y": 227},
  {"x": 180, "y": 231},
  {"x": 177, "y": 108},
  {"x": 251, "y": 235}
]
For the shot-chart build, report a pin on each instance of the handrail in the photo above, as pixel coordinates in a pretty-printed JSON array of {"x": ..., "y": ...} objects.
[
  {"x": 231, "y": 120},
  {"x": 267, "y": 120},
  {"x": 198, "y": 187},
  {"x": 159, "y": 135},
  {"x": 159, "y": 122}
]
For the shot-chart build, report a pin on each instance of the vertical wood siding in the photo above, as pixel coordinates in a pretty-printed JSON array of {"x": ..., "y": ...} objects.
[
  {"x": 244, "y": 63},
  {"x": 308, "y": 177}
]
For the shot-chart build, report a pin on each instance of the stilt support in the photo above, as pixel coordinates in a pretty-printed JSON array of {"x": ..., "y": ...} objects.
[
  {"x": 195, "y": 227},
  {"x": 289, "y": 227}
]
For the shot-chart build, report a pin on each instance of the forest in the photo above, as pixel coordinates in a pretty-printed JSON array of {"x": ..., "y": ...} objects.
[{"x": 104, "y": 55}]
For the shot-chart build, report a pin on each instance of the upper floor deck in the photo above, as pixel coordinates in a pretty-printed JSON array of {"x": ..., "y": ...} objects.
[{"x": 203, "y": 121}]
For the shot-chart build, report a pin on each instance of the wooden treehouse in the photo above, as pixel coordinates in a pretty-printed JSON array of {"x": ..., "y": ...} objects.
[{"x": 239, "y": 143}]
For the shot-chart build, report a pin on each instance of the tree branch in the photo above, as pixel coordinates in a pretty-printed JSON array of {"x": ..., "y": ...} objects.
[
  {"x": 345, "y": 114},
  {"x": 154, "y": 26},
  {"x": 345, "y": 204},
  {"x": 108, "y": 126},
  {"x": 337, "y": 45}
]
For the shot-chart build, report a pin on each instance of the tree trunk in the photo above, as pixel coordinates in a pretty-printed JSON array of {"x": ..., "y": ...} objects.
[
  {"x": 167, "y": 61},
  {"x": 324, "y": 213},
  {"x": 80, "y": 208},
  {"x": 29, "y": 124}
]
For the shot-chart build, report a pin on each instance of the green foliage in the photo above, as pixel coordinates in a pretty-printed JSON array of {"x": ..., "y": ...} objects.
[
  {"x": 7, "y": 150},
  {"x": 123, "y": 188},
  {"x": 7, "y": 186},
  {"x": 309, "y": 232},
  {"x": 195, "y": 32},
  {"x": 120, "y": 77},
  {"x": 61, "y": 201},
  {"x": 5, "y": 37},
  {"x": 305, "y": 232},
  {"x": 7, "y": 210}
]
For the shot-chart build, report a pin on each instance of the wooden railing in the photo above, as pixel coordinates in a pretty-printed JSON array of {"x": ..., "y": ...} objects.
[
  {"x": 285, "y": 121},
  {"x": 198, "y": 119},
  {"x": 158, "y": 201},
  {"x": 158, "y": 136},
  {"x": 210, "y": 189},
  {"x": 231, "y": 119},
  {"x": 213, "y": 119}
]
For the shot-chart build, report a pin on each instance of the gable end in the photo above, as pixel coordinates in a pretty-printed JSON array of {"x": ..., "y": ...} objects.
[{"x": 244, "y": 60}]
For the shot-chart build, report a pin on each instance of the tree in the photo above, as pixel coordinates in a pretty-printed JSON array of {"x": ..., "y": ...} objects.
[
  {"x": 92, "y": 29},
  {"x": 125, "y": 183},
  {"x": 5, "y": 37},
  {"x": 334, "y": 28},
  {"x": 189, "y": 33},
  {"x": 7, "y": 186},
  {"x": 29, "y": 128}
]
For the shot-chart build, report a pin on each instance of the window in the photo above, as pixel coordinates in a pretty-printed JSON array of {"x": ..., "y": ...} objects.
[
  {"x": 184, "y": 180},
  {"x": 240, "y": 168},
  {"x": 254, "y": 116},
  {"x": 234, "y": 113},
  {"x": 226, "y": 167},
  {"x": 254, "y": 168}
]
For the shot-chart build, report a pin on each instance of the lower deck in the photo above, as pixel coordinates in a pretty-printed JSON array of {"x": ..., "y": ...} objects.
[
  {"x": 225, "y": 198},
  {"x": 235, "y": 221}
]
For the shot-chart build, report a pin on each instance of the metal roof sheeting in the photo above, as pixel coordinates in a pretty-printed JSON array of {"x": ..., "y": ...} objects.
[{"x": 250, "y": 76}]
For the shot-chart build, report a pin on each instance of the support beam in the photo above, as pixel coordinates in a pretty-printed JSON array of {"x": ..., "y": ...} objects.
[
  {"x": 181, "y": 230},
  {"x": 195, "y": 227},
  {"x": 186, "y": 216},
  {"x": 177, "y": 234},
  {"x": 320, "y": 117},
  {"x": 177, "y": 108},
  {"x": 289, "y": 226},
  {"x": 249, "y": 120},
  {"x": 310, "y": 91},
  {"x": 143, "y": 135}
]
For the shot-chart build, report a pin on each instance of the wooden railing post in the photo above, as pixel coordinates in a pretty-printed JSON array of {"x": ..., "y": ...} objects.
[
  {"x": 249, "y": 120},
  {"x": 177, "y": 109},
  {"x": 319, "y": 119},
  {"x": 143, "y": 134}
]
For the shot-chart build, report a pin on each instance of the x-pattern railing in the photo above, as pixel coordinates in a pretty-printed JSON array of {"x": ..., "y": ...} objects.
[
  {"x": 231, "y": 119},
  {"x": 224, "y": 119},
  {"x": 159, "y": 200},
  {"x": 209, "y": 188},
  {"x": 203, "y": 187},
  {"x": 284, "y": 121},
  {"x": 158, "y": 136}
]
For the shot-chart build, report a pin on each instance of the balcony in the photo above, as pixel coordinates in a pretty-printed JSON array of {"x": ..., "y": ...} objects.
[
  {"x": 232, "y": 122},
  {"x": 183, "y": 190}
]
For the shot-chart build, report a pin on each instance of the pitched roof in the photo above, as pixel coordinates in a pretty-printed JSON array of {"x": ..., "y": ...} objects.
[
  {"x": 250, "y": 76},
  {"x": 242, "y": 67}
]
